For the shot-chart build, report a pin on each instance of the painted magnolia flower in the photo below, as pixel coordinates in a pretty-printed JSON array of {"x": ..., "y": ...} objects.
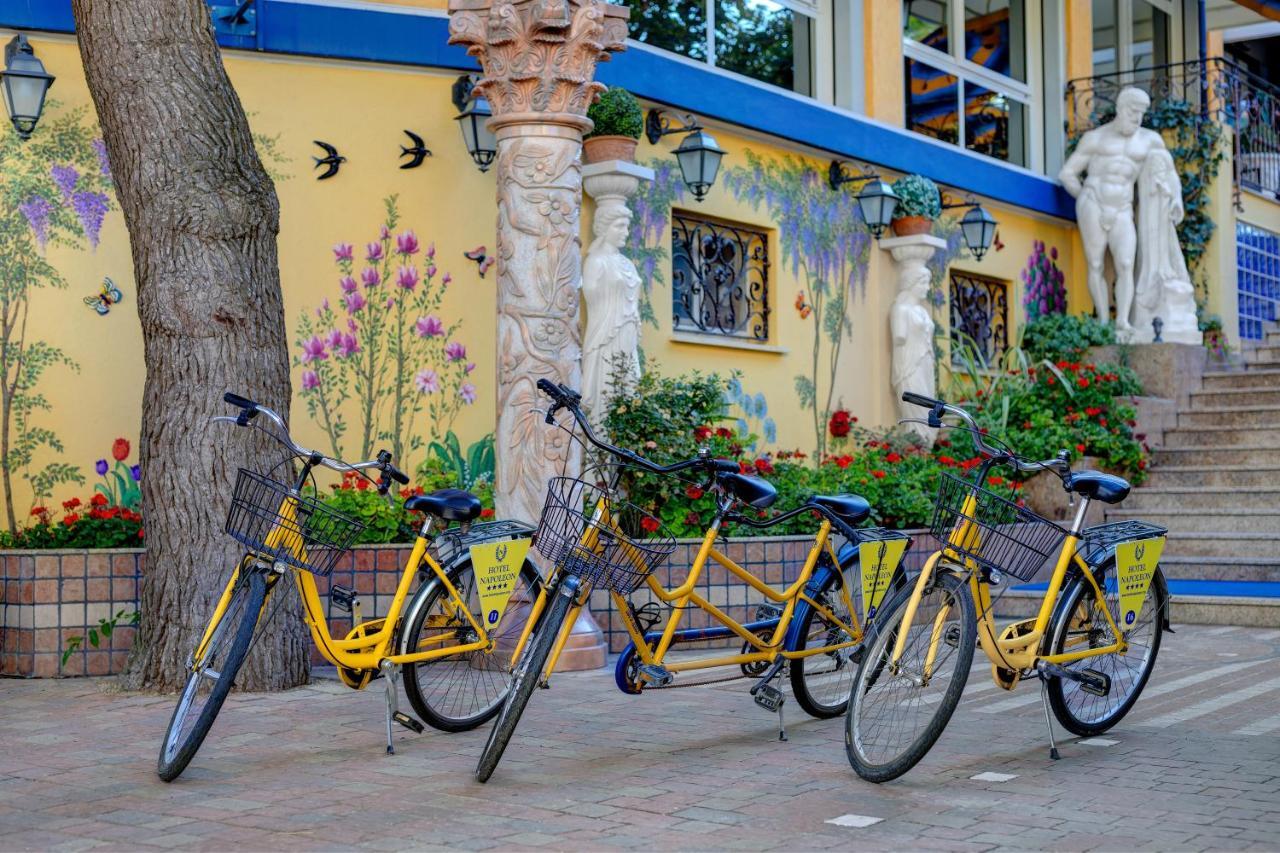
[
  {"x": 426, "y": 382},
  {"x": 354, "y": 302},
  {"x": 429, "y": 327},
  {"x": 468, "y": 393},
  {"x": 455, "y": 351},
  {"x": 346, "y": 346},
  {"x": 348, "y": 284},
  {"x": 65, "y": 177},
  {"x": 343, "y": 252},
  {"x": 384, "y": 233},
  {"x": 407, "y": 243},
  {"x": 333, "y": 340},
  {"x": 373, "y": 252},
  {"x": 431, "y": 270},
  {"x": 351, "y": 325},
  {"x": 310, "y": 380},
  {"x": 324, "y": 304},
  {"x": 313, "y": 350},
  {"x": 447, "y": 278},
  {"x": 370, "y": 277},
  {"x": 407, "y": 277},
  {"x": 390, "y": 303},
  {"x": 471, "y": 365}
]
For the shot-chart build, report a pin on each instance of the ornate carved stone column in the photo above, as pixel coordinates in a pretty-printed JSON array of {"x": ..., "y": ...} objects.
[
  {"x": 538, "y": 59},
  {"x": 911, "y": 325}
]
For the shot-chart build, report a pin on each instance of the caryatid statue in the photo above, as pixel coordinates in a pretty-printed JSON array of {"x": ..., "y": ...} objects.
[
  {"x": 538, "y": 59},
  {"x": 911, "y": 327},
  {"x": 611, "y": 289},
  {"x": 1114, "y": 160}
]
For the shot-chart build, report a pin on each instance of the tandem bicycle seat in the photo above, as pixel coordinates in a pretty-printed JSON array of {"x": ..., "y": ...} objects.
[{"x": 449, "y": 504}]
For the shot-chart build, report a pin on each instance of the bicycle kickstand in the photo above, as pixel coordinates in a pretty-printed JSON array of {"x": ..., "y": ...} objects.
[
  {"x": 391, "y": 675},
  {"x": 1048, "y": 720}
]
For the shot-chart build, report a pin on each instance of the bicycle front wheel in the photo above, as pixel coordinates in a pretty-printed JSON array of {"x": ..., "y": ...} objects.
[
  {"x": 528, "y": 671},
  {"x": 897, "y": 712},
  {"x": 211, "y": 677},
  {"x": 1079, "y": 625},
  {"x": 821, "y": 682}
]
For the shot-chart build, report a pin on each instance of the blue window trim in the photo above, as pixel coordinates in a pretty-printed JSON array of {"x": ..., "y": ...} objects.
[{"x": 374, "y": 35}]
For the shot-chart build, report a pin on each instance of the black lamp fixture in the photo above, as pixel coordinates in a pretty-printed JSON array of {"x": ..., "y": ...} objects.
[
  {"x": 698, "y": 155},
  {"x": 473, "y": 118},
  {"x": 876, "y": 199},
  {"x": 977, "y": 226},
  {"x": 25, "y": 83}
]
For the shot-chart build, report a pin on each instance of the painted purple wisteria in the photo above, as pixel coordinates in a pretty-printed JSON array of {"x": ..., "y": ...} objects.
[
  {"x": 104, "y": 165},
  {"x": 90, "y": 208},
  {"x": 650, "y": 229},
  {"x": 384, "y": 364},
  {"x": 65, "y": 178},
  {"x": 36, "y": 210}
]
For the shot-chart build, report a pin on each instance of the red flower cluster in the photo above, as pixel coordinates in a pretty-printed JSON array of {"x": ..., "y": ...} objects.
[
  {"x": 841, "y": 423},
  {"x": 649, "y": 523},
  {"x": 693, "y": 492}
]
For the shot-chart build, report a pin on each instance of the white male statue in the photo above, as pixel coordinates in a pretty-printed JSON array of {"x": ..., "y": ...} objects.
[{"x": 1115, "y": 156}]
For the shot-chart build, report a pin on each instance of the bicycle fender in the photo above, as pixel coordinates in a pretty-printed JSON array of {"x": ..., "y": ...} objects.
[{"x": 822, "y": 575}]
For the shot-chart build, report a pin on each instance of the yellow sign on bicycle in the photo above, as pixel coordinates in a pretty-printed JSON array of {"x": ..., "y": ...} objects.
[
  {"x": 497, "y": 566},
  {"x": 1135, "y": 566},
  {"x": 878, "y": 561}
]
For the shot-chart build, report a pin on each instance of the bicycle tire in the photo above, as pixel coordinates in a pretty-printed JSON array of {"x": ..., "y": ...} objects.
[
  {"x": 815, "y": 691},
  {"x": 437, "y": 689},
  {"x": 231, "y": 638},
  {"x": 528, "y": 671},
  {"x": 1067, "y": 698},
  {"x": 862, "y": 723}
]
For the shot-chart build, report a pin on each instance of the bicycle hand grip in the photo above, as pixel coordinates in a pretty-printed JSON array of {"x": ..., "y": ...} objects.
[
  {"x": 725, "y": 466},
  {"x": 238, "y": 401},
  {"x": 546, "y": 386},
  {"x": 921, "y": 400},
  {"x": 396, "y": 474}
]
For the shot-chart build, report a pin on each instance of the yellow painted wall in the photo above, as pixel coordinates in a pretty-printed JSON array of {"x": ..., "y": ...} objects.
[{"x": 882, "y": 49}]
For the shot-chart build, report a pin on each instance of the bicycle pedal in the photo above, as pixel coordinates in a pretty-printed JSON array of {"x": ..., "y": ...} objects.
[
  {"x": 655, "y": 675},
  {"x": 1095, "y": 683},
  {"x": 342, "y": 598},
  {"x": 408, "y": 722},
  {"x": 769, "y": 697},
  {"x": 952, "y": 636}
]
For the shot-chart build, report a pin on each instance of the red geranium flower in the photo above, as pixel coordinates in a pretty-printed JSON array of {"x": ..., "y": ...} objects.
[
  {"x": 692, "y": 520},
  {"x": 843, "y": 462},
  {"x": 701, "y": 433},
  {"x": 764, "y": 466},
  {"x": 878, "y": 474},
  {"x": 893, "y": 457},
  {"x": 1082, "y": 382},
  {"x": 39, "y": 510},
  {"x": 70, "y": 519},
  {"x": 362, "y": 484},
  {"x": 649, "y": 523},
  {"x": 486, "y": 513},
  {"x": 120, "y": 450},
  {"x": 693, "y": 492},
  {"x": 71, "y": 504},
  {"x": 723, "y": 432},
  {"x": 1080, "y": 448},
  {"x": 840, "y": 424},
  {"x": 98, "y": 499}
]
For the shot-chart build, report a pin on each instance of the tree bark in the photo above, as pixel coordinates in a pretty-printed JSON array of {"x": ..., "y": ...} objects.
[{"x": 203, "y": 218}]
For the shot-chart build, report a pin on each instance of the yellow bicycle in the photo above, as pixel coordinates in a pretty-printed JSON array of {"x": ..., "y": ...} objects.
[
  {"x": 1093, "y": 643},
  {"x": 454, "y": 639}
]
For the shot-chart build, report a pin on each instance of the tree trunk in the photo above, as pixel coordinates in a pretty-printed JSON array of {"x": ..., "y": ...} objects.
[{"x": 203, "y": 218}]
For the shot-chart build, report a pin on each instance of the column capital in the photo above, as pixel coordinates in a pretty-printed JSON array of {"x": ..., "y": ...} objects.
[{"x": 915, "y": 247}]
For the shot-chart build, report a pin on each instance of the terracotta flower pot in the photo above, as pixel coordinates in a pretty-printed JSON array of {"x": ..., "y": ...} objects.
[
  {"x": 599, "y": 149},
  {"x": 905, "y": 226}
]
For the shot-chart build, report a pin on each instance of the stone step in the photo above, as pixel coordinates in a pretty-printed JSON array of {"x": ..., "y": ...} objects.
[
  {"x": 1251, "y": 378},
  {"x": 1241, "y": 477},
  {"x": 1234, "y": 416},
  {"x": 1179, "y": 567},
  {"x": 1262, "y": 355},
  {"x": 1256, "y": 455},
  {"x": 1209, "y": 437},
  {"x": 1221, "y": 545},
  {"x": 1205, "y": 499},
  {"x": 1235, "y": 398},
  {"x": 1263, "y": 520}
]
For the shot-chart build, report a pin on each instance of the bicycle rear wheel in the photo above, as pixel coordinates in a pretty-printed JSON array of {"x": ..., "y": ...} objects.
[
  {"x": 1079, "y": 624},
  {"x": 821, "y": 682},
  {"x": 896, "y": 714},
  {"x": 212, "y": 676},
  {"x": 528, "y": 671}
]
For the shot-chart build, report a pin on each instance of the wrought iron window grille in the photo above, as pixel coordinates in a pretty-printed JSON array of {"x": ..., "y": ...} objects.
[
  {"x": 979, "y": 316},
  {"x": 720, "y": 278}
]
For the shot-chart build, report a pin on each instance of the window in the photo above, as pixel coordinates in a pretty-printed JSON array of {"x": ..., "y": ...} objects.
[
  {"x": 970, "y": 90},
  {"x": 979, "y": 316},
  {"x": 767, "y": 40},
  {"x": 1258, "y": 279},
  {"x": 1131, "y": 35},
  {"x": 719, "y": 278}
]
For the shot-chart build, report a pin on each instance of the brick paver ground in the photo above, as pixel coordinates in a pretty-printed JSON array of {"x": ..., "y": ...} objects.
[{"x": 1195, "y": 766}]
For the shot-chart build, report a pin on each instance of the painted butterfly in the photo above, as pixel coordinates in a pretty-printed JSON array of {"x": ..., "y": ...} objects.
[
  {"x": 483, "y": 260},
  {"x": 803, "y": 306},
  {"x": 110, "y": 295},
  {"x": 999, "y": 245}
]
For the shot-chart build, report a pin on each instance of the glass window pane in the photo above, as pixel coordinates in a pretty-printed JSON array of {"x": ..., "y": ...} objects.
[
  {"x": 995, "y": 36},
  {"x": 994, "y": 124},
  {"x": 1104, "y": 37},
  {"x": 932, "y": 98},
  {"x": 1150, "y": 36},
  {"x": 764, "y": 40},
  {"x": 679, "y": 26},
  {"x": 926, "y": 21}
]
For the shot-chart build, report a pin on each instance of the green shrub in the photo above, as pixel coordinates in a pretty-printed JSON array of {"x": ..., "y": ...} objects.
[
  {"x": 917, "y": 196},
  {"x": 617, "y": 113},
  {"x": 385, "y": 518},
  {"x": 1065, "y": 336}
]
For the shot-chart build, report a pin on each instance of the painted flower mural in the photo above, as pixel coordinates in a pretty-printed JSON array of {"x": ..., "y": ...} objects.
[
  {"x": 1046, "y": 291},
  {"x": 650, "y": 229},
  {"x": 384, "y": 352}
]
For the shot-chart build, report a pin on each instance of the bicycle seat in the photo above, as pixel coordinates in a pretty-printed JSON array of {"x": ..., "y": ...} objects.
[
  {"x": 1098, "y": 486},
  {"x": 752, "y": 491},
  {"x": 449, "y": 504},
  {"x": 851, "y": 509}
]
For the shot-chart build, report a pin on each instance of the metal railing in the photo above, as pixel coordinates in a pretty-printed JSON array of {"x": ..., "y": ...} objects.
[{"x": 1215, "y": 90}]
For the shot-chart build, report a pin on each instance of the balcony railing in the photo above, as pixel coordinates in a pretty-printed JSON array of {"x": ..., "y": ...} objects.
[{"x": 1216, "y": 90}]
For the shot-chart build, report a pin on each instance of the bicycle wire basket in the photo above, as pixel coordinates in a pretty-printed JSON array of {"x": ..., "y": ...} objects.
[
  {"x": 606, "y": 541},
  {"x": 308, "y": 536},
  {"x": 992, "y": 531}
]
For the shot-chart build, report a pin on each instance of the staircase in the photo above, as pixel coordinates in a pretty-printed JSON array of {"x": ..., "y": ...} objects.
[{"x": 1215, "y": 483}]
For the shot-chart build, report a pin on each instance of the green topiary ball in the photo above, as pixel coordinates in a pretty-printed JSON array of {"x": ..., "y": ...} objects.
[
  {"x": 917, "y": 196},
  {"x": 617, "y": 113}
]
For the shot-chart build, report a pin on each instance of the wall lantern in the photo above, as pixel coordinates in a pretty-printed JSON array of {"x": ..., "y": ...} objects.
[
  {"x": 25, "y": 83},
  {"x": 473, "y": 119},
  {"x": 876, "y": 199},
  {"x": 698, "y": 155},
  {"x": 978, "y": 229}
]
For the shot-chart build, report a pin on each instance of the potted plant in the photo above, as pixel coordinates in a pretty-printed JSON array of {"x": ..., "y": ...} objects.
[
  {"x": 919, "y": 204},
  {"x": 618, "y": 124}
]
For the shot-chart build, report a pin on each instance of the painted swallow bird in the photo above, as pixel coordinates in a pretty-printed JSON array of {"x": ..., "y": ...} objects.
[
  {"x": 331, "y": 159},
  {"x": 418, "y": 152}
]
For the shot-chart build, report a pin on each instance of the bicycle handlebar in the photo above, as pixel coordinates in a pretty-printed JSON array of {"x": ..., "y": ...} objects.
[{"x": 1060, "y": 464}]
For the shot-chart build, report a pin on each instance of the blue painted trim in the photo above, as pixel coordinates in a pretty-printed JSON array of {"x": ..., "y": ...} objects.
[{"x": 372, "y": 35}]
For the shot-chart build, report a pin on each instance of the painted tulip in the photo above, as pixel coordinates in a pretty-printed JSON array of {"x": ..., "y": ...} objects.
[
  {"x": 119, "y": 450},
  {"x": 101, "y": 467}
]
